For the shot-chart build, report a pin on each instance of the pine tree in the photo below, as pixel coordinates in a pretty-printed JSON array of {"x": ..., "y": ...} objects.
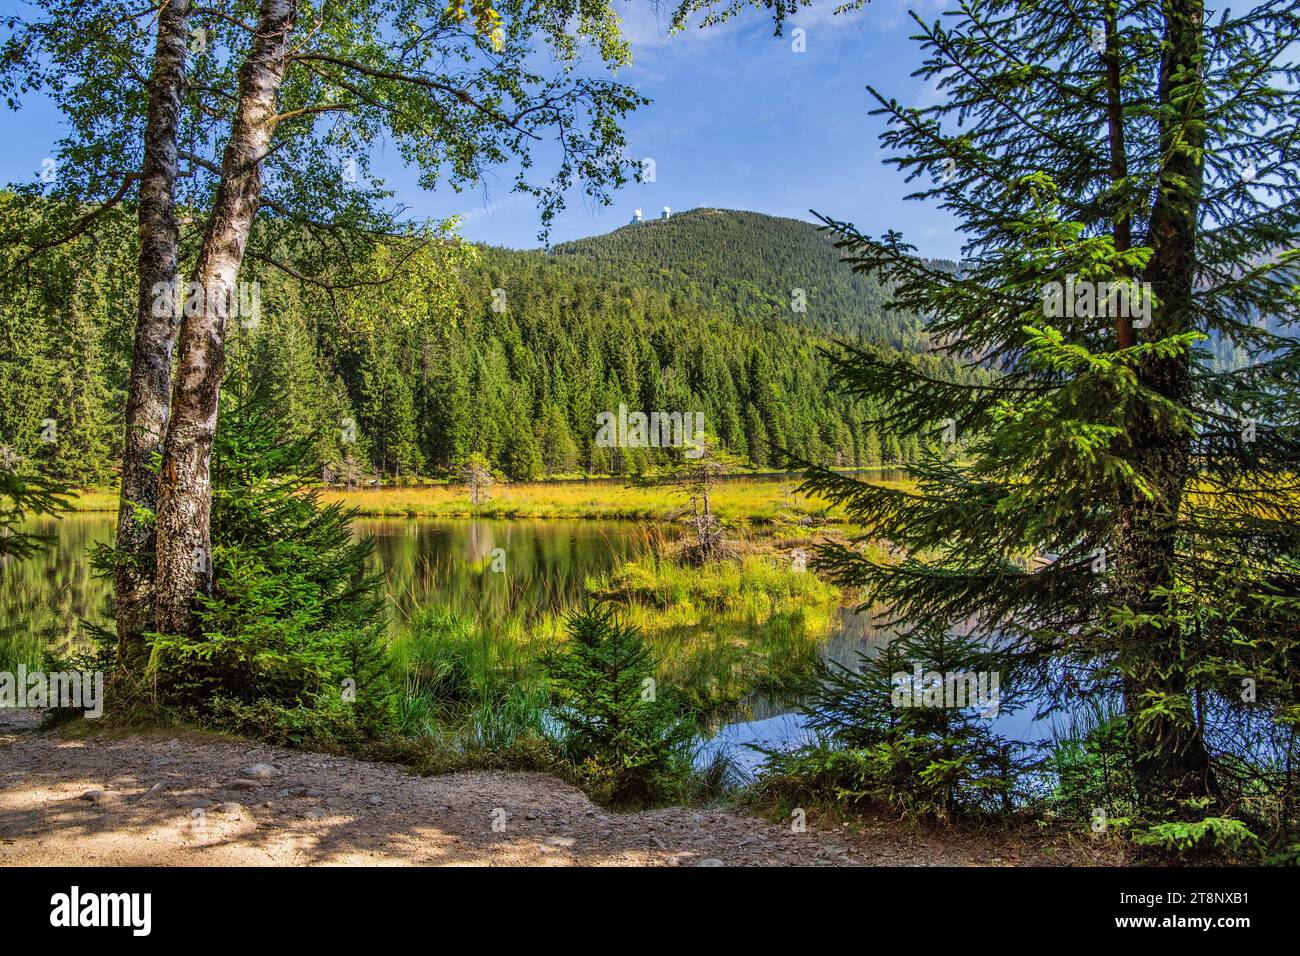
[
  {"x": 388, "y": 412},
  {"x": 695, "y": 476},
  {"x": 447, "y": 404},
  {"x": 909, "y": 727},
  {"x": 84, "y": 450},
  {"x": 756, "y": 437},
  {"x": 870, "y": 457},
  {"x": 559, "y": 450}
]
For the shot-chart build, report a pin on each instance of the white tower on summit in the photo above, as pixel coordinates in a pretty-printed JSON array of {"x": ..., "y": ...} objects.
[
  {"x": 666, "y": 214},
  {"x": 636, "y": 216}
]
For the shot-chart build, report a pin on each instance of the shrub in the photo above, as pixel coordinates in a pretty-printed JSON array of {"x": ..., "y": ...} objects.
[
  {"x": 940, "y": 761},
  {"x": 292, "y": 631},
  {"x": 627, "y": 742},
  {"x": 1093, "y": 769},
  {"x": 1209, "y": 834}
]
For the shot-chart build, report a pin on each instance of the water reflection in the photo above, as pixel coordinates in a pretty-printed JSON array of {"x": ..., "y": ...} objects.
[
  {"x": 485, "y": 566},
  {"x": 494, "y": 567},
  {"x": 776, "y": 724},
  {"x": 489, "y": 567},
  {"x": 45, "y": 597}
]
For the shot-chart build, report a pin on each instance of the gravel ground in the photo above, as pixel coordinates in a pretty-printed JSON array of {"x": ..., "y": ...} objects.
[{"x": 188, "y": 800}]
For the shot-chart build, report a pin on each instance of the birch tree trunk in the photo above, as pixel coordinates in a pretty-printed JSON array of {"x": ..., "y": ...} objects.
[
  {"x": 184, "y": 549},
  {"x": 155, "y": 334}
]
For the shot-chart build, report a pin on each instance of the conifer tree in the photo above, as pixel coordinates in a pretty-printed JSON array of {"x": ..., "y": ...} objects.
[
  {"x": 624, "y": 735},
  {"x": 388, "y": 412},
  {"x": 559, "y": 450},
  {"x": 695, "y": 477},
  {"x": 80, "y": 396},
  {"x": 1126, "y": 142}
]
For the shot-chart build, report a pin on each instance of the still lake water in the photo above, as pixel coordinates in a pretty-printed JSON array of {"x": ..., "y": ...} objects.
[
  {"x": 430, "y": 561},
  {"x": 424, "y": 561}
]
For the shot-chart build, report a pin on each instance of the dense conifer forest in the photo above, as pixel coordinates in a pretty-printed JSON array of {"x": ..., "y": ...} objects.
[{"x": 457, "y": 349}]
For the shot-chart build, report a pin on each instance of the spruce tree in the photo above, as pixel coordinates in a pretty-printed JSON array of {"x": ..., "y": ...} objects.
[
  {"x": 84, "y": 450},
  {"x": 1110, "y": 498},
  {"x": 559, "y": 450},
  {"x": 291, "y": 641},
  {"x": 627, "y": 739},
  {"x": 904, "y": 727}
]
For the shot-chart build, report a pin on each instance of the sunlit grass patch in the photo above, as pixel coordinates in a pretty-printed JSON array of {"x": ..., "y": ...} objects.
[
  {"x": 727, "y": 629},
  {"x": 95, "y": 499},
  {"x": 719, "y": 632},
  {"x": 737, "y": 500}
]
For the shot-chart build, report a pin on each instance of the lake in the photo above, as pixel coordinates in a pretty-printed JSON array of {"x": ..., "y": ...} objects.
[
  {"x": 424, "y": 561},
  {"x": 543, "y": 563}
]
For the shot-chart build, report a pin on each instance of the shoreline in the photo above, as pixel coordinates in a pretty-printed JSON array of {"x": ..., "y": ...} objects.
[
  {"x": 744, "y": 499},
  {"x": 182, "y": 798}
]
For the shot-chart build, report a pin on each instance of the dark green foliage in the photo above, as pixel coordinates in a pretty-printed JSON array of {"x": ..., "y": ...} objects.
[
  {"x": 884, "y": 741},
  {"x": 626, "y": 740},
  {"x": 748, "y": 265},
  {"x": 388, "y": 412},
  {"x": 429, "y": 371},
  {"x": 294, "y": 624},
  {"x": 22, "y": 495},
  {"x": 1094, "y": 773},
  {"x": 64, "y": 351},
  {"x": 1117, "y": 498}
]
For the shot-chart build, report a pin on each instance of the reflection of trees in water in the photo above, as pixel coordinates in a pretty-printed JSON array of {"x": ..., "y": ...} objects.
[
  {"x": 448, "y": 562},
  {"x": 855, "y": 633},
  {"x": 479, "y": 540},
  {"x": 868, "y": 632},
  {"x": 423, "y": 561},
  {"x": 45, "y": 598}
]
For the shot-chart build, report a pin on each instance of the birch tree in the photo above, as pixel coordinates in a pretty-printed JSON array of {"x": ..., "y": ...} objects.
[
  {"x": 273, "y": 107},
  {"x": 147, "y": 403}
]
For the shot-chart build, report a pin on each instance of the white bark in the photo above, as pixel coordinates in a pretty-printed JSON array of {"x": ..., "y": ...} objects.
[
  {"x": 155, "y": 335},
  {"x": 184, "y": 548}
]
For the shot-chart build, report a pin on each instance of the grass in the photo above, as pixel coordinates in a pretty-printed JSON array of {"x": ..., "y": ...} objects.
[
  {"x": 471, "y": 686},
  {"x": 755, "y": 501},
  {"x": 96, "y": 499},
  {"x": 473, "y": 694},
  {"x": 20, "y": 647},
  {"x": 454, "y": 670},
  {"x": 720, "y": 633},
  {"x": 727, "y": 630},
  {"x": 736, "y": 500}
]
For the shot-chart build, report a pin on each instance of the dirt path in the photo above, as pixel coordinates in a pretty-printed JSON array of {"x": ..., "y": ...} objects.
[{"x": 189, "y": 801}]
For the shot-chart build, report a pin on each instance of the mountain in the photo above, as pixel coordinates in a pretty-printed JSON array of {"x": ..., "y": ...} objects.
[{"x": 747, "y": 264}]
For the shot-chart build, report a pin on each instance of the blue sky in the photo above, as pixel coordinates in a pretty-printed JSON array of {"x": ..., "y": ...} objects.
[{"x": 739, "y": 120}]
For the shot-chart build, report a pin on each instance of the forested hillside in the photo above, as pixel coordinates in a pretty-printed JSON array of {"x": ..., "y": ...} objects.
[
  {"x": 749, "y": 264},
  {"x": 404, "y": 378}
]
